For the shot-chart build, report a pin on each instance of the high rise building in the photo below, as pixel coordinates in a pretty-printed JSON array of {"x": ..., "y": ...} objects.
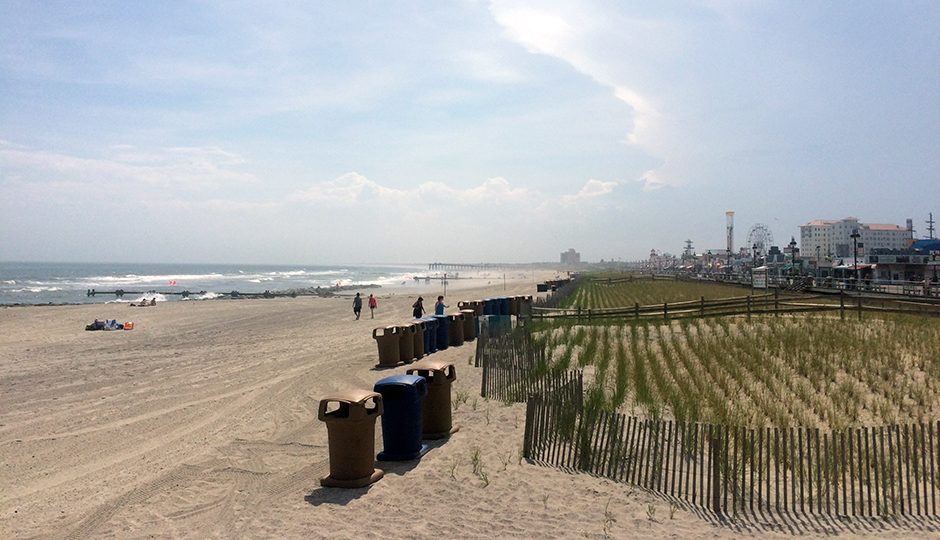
[{"x": 570, "y": 257}]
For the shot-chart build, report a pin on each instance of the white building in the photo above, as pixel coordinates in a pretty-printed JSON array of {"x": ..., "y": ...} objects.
[
  {"x": 816, "y": 238},
  {"x": 829, "y": 238}
]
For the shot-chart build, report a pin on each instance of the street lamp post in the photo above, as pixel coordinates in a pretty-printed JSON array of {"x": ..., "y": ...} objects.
[
  {"x": 855, "y": 236},
  {"x": 792, "y": 255}
]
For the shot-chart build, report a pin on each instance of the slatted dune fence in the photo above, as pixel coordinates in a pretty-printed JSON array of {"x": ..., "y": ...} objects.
[
  {"x": 881, "y": 471},
  {"x": 513, "y": 369}
]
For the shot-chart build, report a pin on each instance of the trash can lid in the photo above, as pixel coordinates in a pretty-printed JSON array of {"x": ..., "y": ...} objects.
[
  {"x": 355, "y": 395},
  {"x": 351, "y": 406},
  {"x": 400, "y": 386},
  {"x": 438, "y": 370},
  {"x": 398, "y": 380}
]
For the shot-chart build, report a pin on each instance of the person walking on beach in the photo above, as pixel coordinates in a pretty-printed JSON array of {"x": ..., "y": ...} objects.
[
  {"x": 372, "y": 305},
  {"x": 357, "y": 305},
  {"x": 439, "y": 306},
  {"x": 418, "y": 308}
]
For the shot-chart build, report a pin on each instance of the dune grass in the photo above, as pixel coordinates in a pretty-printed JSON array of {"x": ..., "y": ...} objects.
[
  {"x": 598, "y": 293},
  {"x": 813, "y": 371}
]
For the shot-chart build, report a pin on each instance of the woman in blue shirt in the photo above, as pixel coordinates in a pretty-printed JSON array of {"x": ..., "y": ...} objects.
[{"x": 439, "y": 306}]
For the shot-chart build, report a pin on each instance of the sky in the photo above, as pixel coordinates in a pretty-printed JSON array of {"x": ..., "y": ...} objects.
[{"x": 295, "y": 132}]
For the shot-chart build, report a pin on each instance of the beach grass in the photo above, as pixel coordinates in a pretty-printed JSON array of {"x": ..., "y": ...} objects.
[{"x": 812, "y": 370}]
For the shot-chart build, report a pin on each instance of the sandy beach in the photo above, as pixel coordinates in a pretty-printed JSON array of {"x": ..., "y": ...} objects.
[{"x": 201, "y": 422}]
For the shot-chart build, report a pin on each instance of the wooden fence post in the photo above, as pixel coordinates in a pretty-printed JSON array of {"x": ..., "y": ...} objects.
[
  {"x": 776, "y": 302},
  {"x": 715, "y": 451},
  {"x": 702, "y": 308},
  {"x": 636, "y": 310},
  {"x": 529, "y": 435},
  {"x": 842, "y": 304}
]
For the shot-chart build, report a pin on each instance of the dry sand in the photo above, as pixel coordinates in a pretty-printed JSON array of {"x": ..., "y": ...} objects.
[{"x": 202, "y": 423}]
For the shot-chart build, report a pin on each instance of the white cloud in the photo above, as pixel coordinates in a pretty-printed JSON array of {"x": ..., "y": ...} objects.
[
  {"x": 591, "y": 192},
  {"x": 650, "y": 180},
  {"x": 192, "y": 169},
  {"x": 684, "y": 69},
  {"x": 347, "y": 191},
  {"x": 495, "y": 191},
  {"x": 573, "y": 33},
  {"x": 351, "y": 189},
  {"x": 538, "y": 30}
]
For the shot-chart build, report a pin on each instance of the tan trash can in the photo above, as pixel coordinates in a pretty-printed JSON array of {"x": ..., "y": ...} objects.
[
  {"x": 514, "y": 305},
  {"x": 436, "y": 416},
  {"x": 350, "y": 424},
  {"x": 406, "y": 343},
  {"x": 388, "y": 342},
  {"x": 469, "y": 325},
  {"x": 455, "y": 329},
  {"x": 525, "y": 306},
  {"x": 420, "y": 328}
]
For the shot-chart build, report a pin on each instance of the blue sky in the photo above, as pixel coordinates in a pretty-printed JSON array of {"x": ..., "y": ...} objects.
[{"x": 350, "y": 132}]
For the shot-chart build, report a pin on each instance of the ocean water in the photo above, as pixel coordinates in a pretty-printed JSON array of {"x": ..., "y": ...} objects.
[{"x": 43, "y": 283}]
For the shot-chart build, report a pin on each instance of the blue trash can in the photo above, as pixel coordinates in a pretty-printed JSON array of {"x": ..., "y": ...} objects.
[
  {"x": 430, "y": 335},
  {"x": 503, "y": 306},
  {"x": 442, "y": 323},
  {"x": 490, "y": 307},
  {"x": 401, "y": 421}
]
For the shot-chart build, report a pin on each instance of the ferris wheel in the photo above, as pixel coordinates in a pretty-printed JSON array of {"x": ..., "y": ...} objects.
[{"x": 759, "y": 238}]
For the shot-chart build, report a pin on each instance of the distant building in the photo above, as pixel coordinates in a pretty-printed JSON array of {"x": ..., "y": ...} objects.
[
  {"x": 570, "y": 257},
  {"x": 661, "y": 261},
  {"x": 816, "y": 238},
  {"x": 828, "y": 238}
]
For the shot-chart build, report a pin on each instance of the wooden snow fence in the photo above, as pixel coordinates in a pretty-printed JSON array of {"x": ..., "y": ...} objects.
[{"x": 881, "y": 471}]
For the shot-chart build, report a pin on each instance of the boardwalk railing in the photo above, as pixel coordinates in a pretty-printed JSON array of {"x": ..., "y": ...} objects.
[
  {"x": 882, "y": 471},
  {"x": 771, "y": 303}
]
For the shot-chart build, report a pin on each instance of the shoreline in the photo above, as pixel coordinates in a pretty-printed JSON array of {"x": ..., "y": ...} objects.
[{"x": 453, "y": 284}]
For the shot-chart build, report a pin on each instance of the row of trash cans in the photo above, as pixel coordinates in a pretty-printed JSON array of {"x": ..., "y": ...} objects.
[
  {"x": 420, "y": 337},
  {"x": 414, "y": 407},
  {"x": 520, "y": 306}
]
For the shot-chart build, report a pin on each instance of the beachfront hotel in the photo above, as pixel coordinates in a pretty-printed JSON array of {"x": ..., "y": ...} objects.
[{"x": 830, "y": 238}]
